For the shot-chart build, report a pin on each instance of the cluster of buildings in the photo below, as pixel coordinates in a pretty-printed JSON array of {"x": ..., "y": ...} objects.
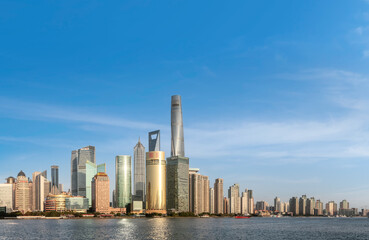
[{"x": 152, "y": 184}]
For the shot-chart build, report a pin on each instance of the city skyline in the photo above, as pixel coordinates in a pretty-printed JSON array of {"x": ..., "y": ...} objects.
[{"x": 275, "y": 102}]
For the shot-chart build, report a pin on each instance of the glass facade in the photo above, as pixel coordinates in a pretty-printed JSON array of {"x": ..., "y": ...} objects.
[
  {"x": 6, "y": 196},
  {"x": 78, "y": 169},
  {"x": 156, "y": 180},
  {"x": 123, "y": 192},
  {"x": 139, "y": 172},
  {"x": 76, "y": 204}
]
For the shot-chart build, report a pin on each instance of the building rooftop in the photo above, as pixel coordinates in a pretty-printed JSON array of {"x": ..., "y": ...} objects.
[{"x": 21, "y": 173}]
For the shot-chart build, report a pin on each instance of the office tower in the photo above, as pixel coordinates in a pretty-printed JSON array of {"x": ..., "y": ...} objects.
[
  {"x": 155, "y": 182},
  {"x": 30, "y": 190},
  {"x": 198, "y": 192},
  {"x": 154, "y": 141},
  {"x": 55, "y": 180},
  {"x": 331, "y": 208},
  {"x": 344, "y": 204},
  {"x": 234, "y": 199},
  {"x": 318, "y": 211},
  {"x": 294, "y": 206},
  {"x": 250, "y": 199},
  {"x": 244, "y": 203},
  {"x": 277, "y": 204},
  {"x": 60, "y": 188},
  {"x": 91, "y": 170},
  {"x": 218, "y": 196},
  {"x": 177, "y": 164},
  {"x": 302, "y": 205},
  {"x": 310, "y": 206},
  {"x": 22, "y": 193},
  {"x": 123, "y": 169},
  {"x": 101, "y": 193},
  {"x": 40, "y": 190},
  {"x": 139, "y": 172},
  {"x": 226, "y": 208},
  {"x": 286, "y": 207},
  {"x": 78, "y": 169},
  {"x": 211, "y": 201},
  {"x": 6, "y": 196},
  {"x": 33, "y": 191}
]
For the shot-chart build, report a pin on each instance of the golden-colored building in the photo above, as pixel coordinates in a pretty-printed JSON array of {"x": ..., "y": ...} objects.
[
  {"x": 155, "y": 182},
  {"x": 56, "y": 202},
  {"x": 22, "y": 193}
]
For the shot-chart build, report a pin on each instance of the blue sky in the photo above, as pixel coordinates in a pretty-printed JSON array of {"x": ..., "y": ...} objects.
[{"x": 275, "y": 93}]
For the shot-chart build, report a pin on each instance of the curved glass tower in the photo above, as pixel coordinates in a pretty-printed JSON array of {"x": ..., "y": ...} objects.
[{"x": 123, "y": 180}]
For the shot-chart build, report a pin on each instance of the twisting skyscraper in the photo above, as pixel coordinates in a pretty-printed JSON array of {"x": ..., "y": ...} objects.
[
  {"x": 177, "y": 127},
  {"x": 177, "y": 164}
]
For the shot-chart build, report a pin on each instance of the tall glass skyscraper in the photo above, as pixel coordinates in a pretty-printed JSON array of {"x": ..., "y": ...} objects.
[
  {"x": 55, "y": 180},
  {"x": 83, "y": 169},
  {"x": 177, "y": 165},
  {"x": 155, "y": 182},
  {"x": 139, "y": 172},
  {"x": 123, "y": 192}
]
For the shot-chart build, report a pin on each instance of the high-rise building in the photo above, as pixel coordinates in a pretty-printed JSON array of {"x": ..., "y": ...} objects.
[
  {"x": 6, "y": 196},
  {"x": 41, "y": 188},
  {"x": 177, "y": 141},
  {"x": 177, "y": 164},
  {"x": 78, "y": 169},
  {"x": 139, "y": 172},
  {"x": 244, "y": 203},
  {"x": 211, "y": 201},
  {"x": 277, "y": 204},
  {"x": 218, "y": 196},
  {"x": 294, "y": 206},
  {"x": 250, "y": 199},
  {"x": 318, "y": 208},
  {"x": 226, "y": 208},
  {"x": 101, "y": 193},
  {"x": 310, "y": 206},
  {"x": 331, "y": 208},
  {"x": 302, "y": 205},
  {"x": 344, "y": 204},
  {"x": 155, "y": 182},
  {"x": 154, "y": 141},
  {"x": 22, "y": 193},
  {"x": 123, "y": 170},
  {"x": 234, "y": 199},
  {"x": 55, "y": 180},
  {"x": 198, "y": 191},
  {"x": 286, "y": 207}
]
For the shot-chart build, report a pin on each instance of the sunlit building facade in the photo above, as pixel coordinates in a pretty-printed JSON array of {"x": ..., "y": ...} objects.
[
  {"x": 6, "y": 196},
  {"x": 155, "y": 182},
  {"x": 139, "y": 172},
  {"x": 123, "y": 175},
  {"x": 101, "y": 193},
  {"x": 22, "y": 193},
  {"x": 218, "y": 196}
]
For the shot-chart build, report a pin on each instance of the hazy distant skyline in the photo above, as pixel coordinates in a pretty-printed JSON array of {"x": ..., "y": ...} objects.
[{"x": 274, "y": 93}]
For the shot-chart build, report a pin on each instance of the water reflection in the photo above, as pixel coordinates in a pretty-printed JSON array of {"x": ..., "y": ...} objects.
[{"x": 159, "y": 228}]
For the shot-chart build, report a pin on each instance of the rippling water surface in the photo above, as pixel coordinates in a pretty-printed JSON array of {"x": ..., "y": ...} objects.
[{"x": 187, "y": 228}]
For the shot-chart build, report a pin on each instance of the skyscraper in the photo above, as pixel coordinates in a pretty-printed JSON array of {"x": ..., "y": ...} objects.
[
  {"x": 22, "y": 193},
  {"x": 211, "y": 201},
  {"x": 78, "y": 169},
  {"x": 302, "y": 205},
  {"x": 139, "y": 172},
  {"x": 6, "y": 196},
  {"x": 234, "y": 199},
  {"x": 244, "y": 203},
  {"x": 123, "y": 171},
  {"x": 177, "y": 164},
  {"x": 100, "y": 193},
  {"x": 41, "y": 188},
  {"x": 154, "y": 141},
  {"x": 318, "y": 208},
  {"x": 310, "y": 206},
  {"x": 55, "y": 180},
  {"x": 83, "y": 169},
  {"x": 277, "y": 204},
  {"x": 294, "y": 206},
  {"x": 155, "y": 182},
  {"x": 250, "y": 199},
  {"x": 218, "y": 196},
  {"x": 198, "y": 192}
]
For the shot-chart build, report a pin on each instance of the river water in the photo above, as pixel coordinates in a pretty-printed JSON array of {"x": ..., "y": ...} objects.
[{"x": 187, "y": 228}]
